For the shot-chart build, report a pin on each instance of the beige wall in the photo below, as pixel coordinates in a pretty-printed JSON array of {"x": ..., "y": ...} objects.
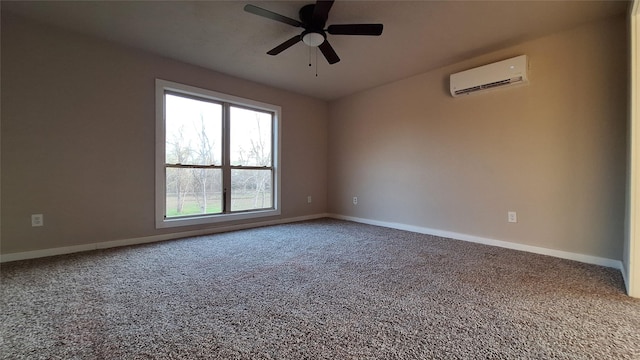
[
  {"x": 631, "y": 253},
  {"x": 554, "y": 151},
  {"x": 78, "y": 128},
  {"x": 78, "y": 133}
]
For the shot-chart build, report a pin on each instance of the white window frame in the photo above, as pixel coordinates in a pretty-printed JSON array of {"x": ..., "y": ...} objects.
[{"x": 161, "y": 220}]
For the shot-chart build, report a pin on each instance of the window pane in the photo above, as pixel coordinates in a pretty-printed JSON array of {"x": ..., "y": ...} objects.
[
  {"x": 193, "y": 131},
  {"x": 193, "y": 191},
  {"x": 250, "y": 137},
  {"x": 251, "y": 189}
]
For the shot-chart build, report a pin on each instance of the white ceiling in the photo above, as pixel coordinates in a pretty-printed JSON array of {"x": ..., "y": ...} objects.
[{"x": 418, "y": 35}]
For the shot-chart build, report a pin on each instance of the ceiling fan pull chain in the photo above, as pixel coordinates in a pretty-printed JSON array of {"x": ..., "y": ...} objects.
[{"x": 316, "y": 62}]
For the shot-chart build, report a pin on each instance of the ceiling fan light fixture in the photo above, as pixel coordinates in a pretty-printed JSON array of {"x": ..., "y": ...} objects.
[{"x": 313, "y": 39}]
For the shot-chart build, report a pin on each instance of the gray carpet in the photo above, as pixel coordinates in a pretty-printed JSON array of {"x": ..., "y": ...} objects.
[{"x": 323, "y": 289}]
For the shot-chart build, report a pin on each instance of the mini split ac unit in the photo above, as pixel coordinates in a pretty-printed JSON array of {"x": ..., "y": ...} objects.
[{"x": 500, "y": 74}]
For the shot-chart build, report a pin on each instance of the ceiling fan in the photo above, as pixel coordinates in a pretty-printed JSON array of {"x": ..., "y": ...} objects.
[{"x": 313, "y": 18}]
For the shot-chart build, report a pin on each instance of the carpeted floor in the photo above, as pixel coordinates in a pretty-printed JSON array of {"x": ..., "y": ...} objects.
[{"x": 323, "y": 289}]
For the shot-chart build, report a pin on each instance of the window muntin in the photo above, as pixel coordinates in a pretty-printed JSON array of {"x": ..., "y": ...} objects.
[{"x": 217, "y": 157}]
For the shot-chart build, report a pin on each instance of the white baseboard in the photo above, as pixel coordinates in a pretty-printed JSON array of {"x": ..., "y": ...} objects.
[
  {"x": 149, "y": 239},
  {"x": 617, "y": 264},
  {"x": 589, "y": 259},
  {"x": 625, "y": 272}
]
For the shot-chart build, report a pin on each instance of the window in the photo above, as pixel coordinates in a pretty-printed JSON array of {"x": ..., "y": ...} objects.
[{"x": 216, "y": 157}]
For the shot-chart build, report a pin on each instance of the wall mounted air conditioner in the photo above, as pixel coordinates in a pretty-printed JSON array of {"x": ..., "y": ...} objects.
[{"x": 500, "y": 74}]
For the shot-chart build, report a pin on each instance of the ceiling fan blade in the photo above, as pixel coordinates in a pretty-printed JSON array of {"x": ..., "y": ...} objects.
[
  {"x": 321, "y": 13},
  {"x": 271, "y": 15},
  {"x": 355, "y": 29},
  {"x": 284, "y": 46},
  {"x": 328, "y": 52}
]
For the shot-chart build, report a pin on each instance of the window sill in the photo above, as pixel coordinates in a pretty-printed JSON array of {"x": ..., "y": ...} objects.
[{"x": 214, "y": 219}]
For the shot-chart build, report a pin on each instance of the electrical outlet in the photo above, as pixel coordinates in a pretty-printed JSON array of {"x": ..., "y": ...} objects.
[
  {"x": 512, "y": 217},
  {"x": 355, "y": 200},
  {"x": 37, "y": 220},
  {"x": 309, "y": 199}
]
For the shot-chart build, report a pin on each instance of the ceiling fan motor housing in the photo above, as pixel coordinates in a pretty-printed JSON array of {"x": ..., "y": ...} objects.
[
  {"x": 313, "y": 34},
  {"x": 306, "y": 16}
]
